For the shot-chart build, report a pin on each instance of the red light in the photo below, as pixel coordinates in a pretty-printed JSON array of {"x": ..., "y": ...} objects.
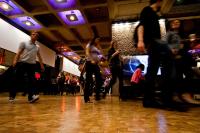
[{"x": 37, "y": 76}]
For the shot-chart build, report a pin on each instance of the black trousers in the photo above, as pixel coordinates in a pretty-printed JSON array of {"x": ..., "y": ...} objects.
[
  {"x": 116, "y": 72},
  {"x": 137, "y": 89},
  {"x": 182, "y": 66},
  {"x": 90, "y": 70},
  {"x": 21, "y": 69},
  {"x": 61, "y": 87},
  {"x": 159, "y": 56}
]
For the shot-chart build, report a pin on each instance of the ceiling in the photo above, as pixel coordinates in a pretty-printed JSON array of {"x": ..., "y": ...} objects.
[{"x": 91, "y": 17}]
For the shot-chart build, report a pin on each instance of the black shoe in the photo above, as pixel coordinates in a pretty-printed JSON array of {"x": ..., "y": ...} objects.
[
  {"x": 176, "y": 106},
  {"x": 97, "y": 98},
  {"x": 152, "y": 104},
  {"x": 104, "y": 95},
  {"x": 87, "y": 100}
]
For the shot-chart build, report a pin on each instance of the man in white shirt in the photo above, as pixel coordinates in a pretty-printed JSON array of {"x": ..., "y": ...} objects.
[{"x": 24, "y": 62}]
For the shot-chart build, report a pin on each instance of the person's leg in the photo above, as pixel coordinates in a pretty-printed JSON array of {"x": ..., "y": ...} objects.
[
  {"x": 167, "y": 63},
  {"x": 19, "y": 72},
  {"x": 168, "y": 86},
  {"x": 12, "y": 93},
  {"x": 120, "y": 77},
  {"x": 114, "y": 76},
  {"x": 61, "y": 88},
  {"x": 179, "y": 76},
  {"x": 152, "y": 69},
  {"x": 67, "y": 89},
  {"x": 88, "y": 81},
  {"x": 168, "y": 89},
  {"x": 32, "y": 97},
  {"x": 10, "y": 77},
  {"x": 141, "y": 88},
  {"x": 73, "y": 90},
  {"x": 185, "y": 86},
  {"x": 99, "y": 81},
  {"x": 188, "y": 73},
  {"x": 133, "y": 90},
  {"x": 11, "y": 83}
]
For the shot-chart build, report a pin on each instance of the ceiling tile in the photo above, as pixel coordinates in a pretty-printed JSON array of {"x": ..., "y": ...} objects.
[
  {"x": 104, "y": 29},
  {"x": 76, "y": 33},
  {"x": 32, "y": 5},
  {"x": 67, "y": 34},
  {"x": 128, "y": 9},
  {"x": 48, "y": 20},
  {"x": 97, "y": 14},
  {"x": 84, "y": 32},
  {"x": 92, "y": 2},
  {"x": 59, "y": 36}
]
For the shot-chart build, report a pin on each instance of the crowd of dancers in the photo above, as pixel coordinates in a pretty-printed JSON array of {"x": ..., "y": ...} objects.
[{"x": 99, "y": 72}]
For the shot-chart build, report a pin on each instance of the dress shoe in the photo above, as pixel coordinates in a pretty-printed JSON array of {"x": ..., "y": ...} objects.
[{"x": 152, "y": 104}]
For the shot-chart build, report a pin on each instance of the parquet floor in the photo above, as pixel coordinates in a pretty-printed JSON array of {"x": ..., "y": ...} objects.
[{"x": 69, "y": 114}]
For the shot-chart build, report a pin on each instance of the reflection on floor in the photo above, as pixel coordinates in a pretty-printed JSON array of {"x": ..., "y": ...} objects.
[{"x": 69, "y": 114}]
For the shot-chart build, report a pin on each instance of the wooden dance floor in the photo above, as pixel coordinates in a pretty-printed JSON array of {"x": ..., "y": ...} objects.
[{"x": 69, "y": 114}]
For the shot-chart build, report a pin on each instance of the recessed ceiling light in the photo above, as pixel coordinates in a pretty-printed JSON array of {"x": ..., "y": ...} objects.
[
  {"x": 5, "y": 6},
  {"x": 61, "y": 1},
  {"x": 72, "y": 17},
  {"x": 28, "y": 23},
  {"x": 75, "y": 58}
]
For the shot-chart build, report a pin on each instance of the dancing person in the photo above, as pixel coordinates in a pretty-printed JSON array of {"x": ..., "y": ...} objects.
[
  {"x": 115, "y": 66},
  {"x": 93, "y": 57},
  {"x": 24, "y": 62},
  {"x": 61, "y": 83}
]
